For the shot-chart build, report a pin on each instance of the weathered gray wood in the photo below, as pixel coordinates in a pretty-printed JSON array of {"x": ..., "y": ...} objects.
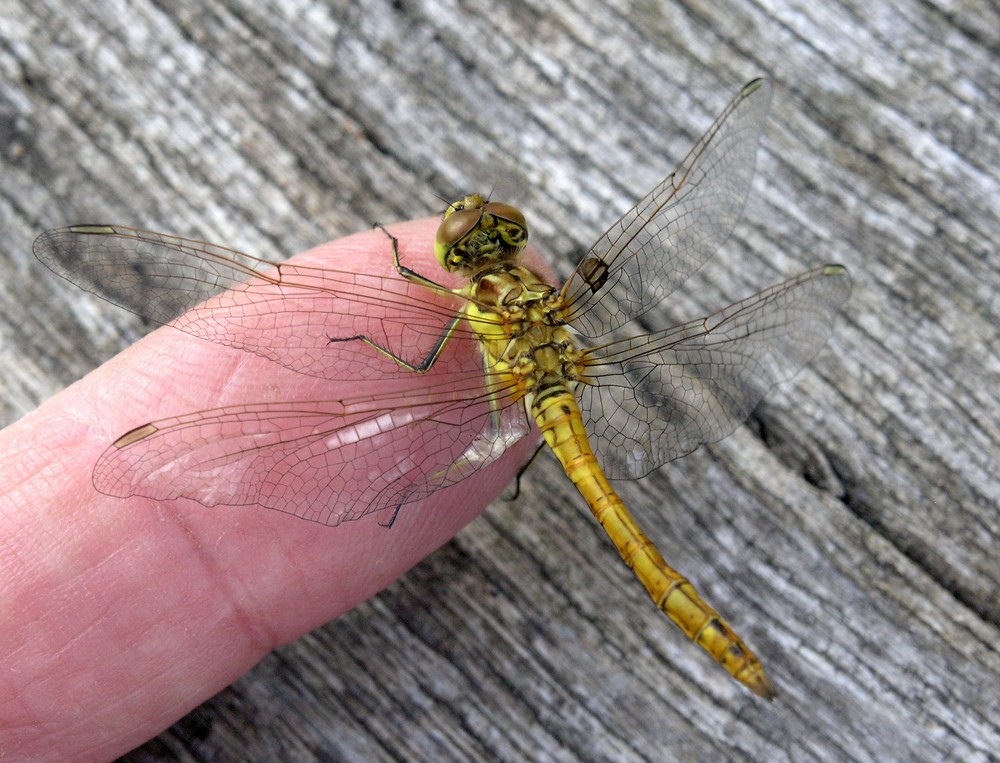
[{"x": 850, "y": 532}]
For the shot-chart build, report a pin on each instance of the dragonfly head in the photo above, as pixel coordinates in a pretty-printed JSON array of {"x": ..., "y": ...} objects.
[{"x": 476, "y": 233}]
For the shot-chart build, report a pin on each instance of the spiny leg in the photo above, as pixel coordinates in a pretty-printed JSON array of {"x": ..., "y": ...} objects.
[
  {"x": 407, "y": 273},
  {"x": 410, "y": 275},
  {"x": 521, "y": 472}
]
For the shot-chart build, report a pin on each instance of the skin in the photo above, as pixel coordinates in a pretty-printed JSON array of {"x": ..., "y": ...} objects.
[{"x": 121, "y": 615}]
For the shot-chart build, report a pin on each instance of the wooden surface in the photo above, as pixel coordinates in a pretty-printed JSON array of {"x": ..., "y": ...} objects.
[{"x": 850, "y": 532}]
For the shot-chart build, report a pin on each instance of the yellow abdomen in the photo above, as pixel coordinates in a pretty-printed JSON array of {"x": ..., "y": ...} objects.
[{"x": 558, "y": 415}]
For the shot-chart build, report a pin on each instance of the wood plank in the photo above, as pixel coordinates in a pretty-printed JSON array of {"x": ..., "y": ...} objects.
[{"x": 849, "y": 532}]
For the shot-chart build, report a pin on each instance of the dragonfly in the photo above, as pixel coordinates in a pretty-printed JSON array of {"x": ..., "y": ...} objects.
[{"x": 610, "y": 400}]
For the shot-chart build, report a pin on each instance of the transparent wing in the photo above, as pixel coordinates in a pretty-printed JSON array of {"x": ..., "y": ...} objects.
[
  {"x": 325, "y": 461},
  {"x": 657, "y": 397},
  {"x": 676, "y": 227},
  {"x": 296, "y": 316}
]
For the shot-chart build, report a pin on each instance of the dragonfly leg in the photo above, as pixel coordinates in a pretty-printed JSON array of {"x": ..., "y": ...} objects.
[
  {"x": 421, "y": 367},
  {"x": 410, "y": 275},
  {"x": 523, "y": 469},
  {"x": 392, "y": 520},
  {"x": 407, "y": 273}
]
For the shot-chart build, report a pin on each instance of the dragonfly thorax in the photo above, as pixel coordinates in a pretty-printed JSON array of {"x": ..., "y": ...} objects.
[
  {"x": 478, "y": 235},
  {"x": 519, "y": 320},
  {"x": 511, "y": 289},
  {"x": 510, "y": 302}
]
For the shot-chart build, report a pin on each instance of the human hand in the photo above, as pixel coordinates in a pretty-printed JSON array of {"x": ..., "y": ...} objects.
[{"x": 122, "y": 615}]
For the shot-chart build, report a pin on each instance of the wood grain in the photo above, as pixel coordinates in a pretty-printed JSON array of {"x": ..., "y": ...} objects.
[{"x": 850, "y": 532}]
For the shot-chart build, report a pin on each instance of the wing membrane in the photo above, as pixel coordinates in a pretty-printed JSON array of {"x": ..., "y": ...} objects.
[
  {"x": 294, "y": 315},
  {"x": 659, "y": 396},
  {"x": 325, "y": 461},
  {"x": 676, "y": 227}
]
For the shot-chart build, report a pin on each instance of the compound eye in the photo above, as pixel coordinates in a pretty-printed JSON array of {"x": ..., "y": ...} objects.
[
  {"x": 506, "y": 212},
  {"x": 457, "y": 226}
]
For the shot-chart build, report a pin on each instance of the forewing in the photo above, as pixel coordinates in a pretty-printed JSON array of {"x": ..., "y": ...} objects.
[
  {"x": 308, "y": 319},
  {"x": 325, "y": 461},
  {"x": 658, "y": 397},
  {"x": 676, "y": 227}
]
